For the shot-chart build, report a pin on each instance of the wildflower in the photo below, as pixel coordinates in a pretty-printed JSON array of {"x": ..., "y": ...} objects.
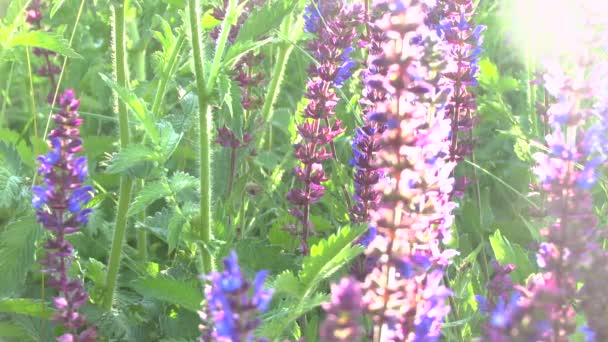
[
  {"x": 334, "y": 33},
  {"x": 232, "y": 311},
  {"x": 570, "y": 249},
  {"x": 453, "y": 21},
  {"x": 343, "y": 313},
  {"x": 403, "y": 292},
  {"x": 60, "y": 204},
  {"x": 49, "y": 69}
]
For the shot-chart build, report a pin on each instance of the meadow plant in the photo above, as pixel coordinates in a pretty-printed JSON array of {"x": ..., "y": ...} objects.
[
  {"x": 231, "y": 312},
  {"x": 60, "y": 203},
  {"x": 544, "y": 309},
  {"x": 334, "y": 26},
  {"x": 403, "y": 293}
]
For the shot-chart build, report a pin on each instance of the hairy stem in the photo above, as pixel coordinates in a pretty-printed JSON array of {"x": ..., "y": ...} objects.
[
  {"x": 126, "y": 184},
  {"x": 204, "y": 132}
]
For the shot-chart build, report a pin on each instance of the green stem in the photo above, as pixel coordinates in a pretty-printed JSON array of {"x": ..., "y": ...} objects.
[
  {"x": 167, "y": 73},
  {"x": 126, "y": 183},
  {"x": 139, "y": 61},
  {"x": 7, "y": 92},
  {"x": 274, "y": 88},
  {"x": 204, "y": 132}
]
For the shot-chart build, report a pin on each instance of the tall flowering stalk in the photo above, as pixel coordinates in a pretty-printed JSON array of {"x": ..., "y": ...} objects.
[
  {"x": 543, "y": 310},
  {"x": 454, "y": 23},
  {"x": 60, "y": 207},
  {"x": 334, "y": 24},
  {"x": 403, "y": 292},
  {"x": 49, "y": 69},
  {"x": 231, "y": 314},
  {"x": 366, "y": 142}
]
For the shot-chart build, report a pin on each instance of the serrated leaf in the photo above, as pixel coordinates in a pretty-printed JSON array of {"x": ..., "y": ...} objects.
[
  {"x": 137, "y": 105},
  {"x": 287, "y": 283},
  {"x": 176, "y": 225},
  {"x": 17, "y": 249},
  {"x": 170, "y": 290},
  {"x": 46, "y": 40},
  {"x": 168, "y": 139},
  {"x": 208, "y": 21},
  {"x": 329, "y": 255},
  {"x": 25, "y": 306},
  {"x": 148, "y": 195},
  {"x": 130, "y": 157},
  {"x": 181, "y": 181},
  {"x": 262, "y": 21},
  {"x": 10, "y": 188},
  {"x": 509, "y": 253}
]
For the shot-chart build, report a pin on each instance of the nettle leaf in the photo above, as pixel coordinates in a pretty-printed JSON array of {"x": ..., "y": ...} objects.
[
  {"x": 262, "y": 21},
  {"x": 166, "y": 289},
  {"x": 137, "y": 105},
  {"x": 10, "y": 188},
  {"x": 168, "y": 139},
  {"x": 25, "y": 306},
  {"x": 17, "y": 249},
  {"x": 176, "y": 225},
  {"x": 46, "y": 40},
  {"x": 130, "y": 157},
  {"x": 148, "y": 195},
  {"x": 181, "y": 181}
]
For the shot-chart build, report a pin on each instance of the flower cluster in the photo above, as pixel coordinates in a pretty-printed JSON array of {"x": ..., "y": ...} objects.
[
  {"x": 344, "y": 313},
  {"x": 544, "y": 309},
  {"x": 454, "y": 24},
  {"x": 230, "y": 309},
  {"x": 60, "y": 207},
  {"x": 403, "y": 293},
  {"x": 366, "y": 142},
  {"x": 334, "y": 24},
  {"x": 49, "y": 69}
]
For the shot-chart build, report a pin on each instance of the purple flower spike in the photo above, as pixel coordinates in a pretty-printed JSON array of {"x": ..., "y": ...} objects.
[
  {"x": 453, "y": 22},
  {"x": 334, "y": 25},
  {"x": 343, "y": 322},
  {"x": 571, "y": 252},
  {"x": 406, "y": 160},
  {"x": 231, "y": 314},
  {"x": 60, "y": 206},
  {"x": 48, "y": 69}
]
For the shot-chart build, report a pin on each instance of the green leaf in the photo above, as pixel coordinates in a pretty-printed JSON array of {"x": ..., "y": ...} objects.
[
  {"x": 176, "y": 225},
  {"x": 181, "y": 181},
  {"x": 17, "y": 249},
  {"x": 329, "y": 255},
  {"x": 46, "y": 40},
  {"x": 13, "y": 330},
  {"x": 208, "y": 21},
  {"x": 137, "y": 105},
  {"x": 508, "y": 253},
  {"x": 170, "y": 290},
  {"x": 129, "y": 158},
  {"x": 148, "y": 195},
  {"x": 287, "y": 283},
  {"x": 169, "y": 139},
  {"x": 10, "y": 188},
  {"x": 25, "y": 306},
  {"x": 262, "y": 21},
  {"x": 56, "y": 6}
]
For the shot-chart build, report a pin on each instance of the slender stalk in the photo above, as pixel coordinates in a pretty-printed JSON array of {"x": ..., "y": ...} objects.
[
  {"x": 32, "y": 98},
  {"x": 9, "y": 81},
  {"x": 167, "y": 73},
  {"x": 204, "y": 132},
  {"x": 126, "y": 183},
  {"x": 139, "y": 64},
  {"x": 278, "y": 71}
]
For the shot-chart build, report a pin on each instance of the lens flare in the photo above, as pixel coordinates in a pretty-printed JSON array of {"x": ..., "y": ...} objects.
[{"x": 556, "y": 29}]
